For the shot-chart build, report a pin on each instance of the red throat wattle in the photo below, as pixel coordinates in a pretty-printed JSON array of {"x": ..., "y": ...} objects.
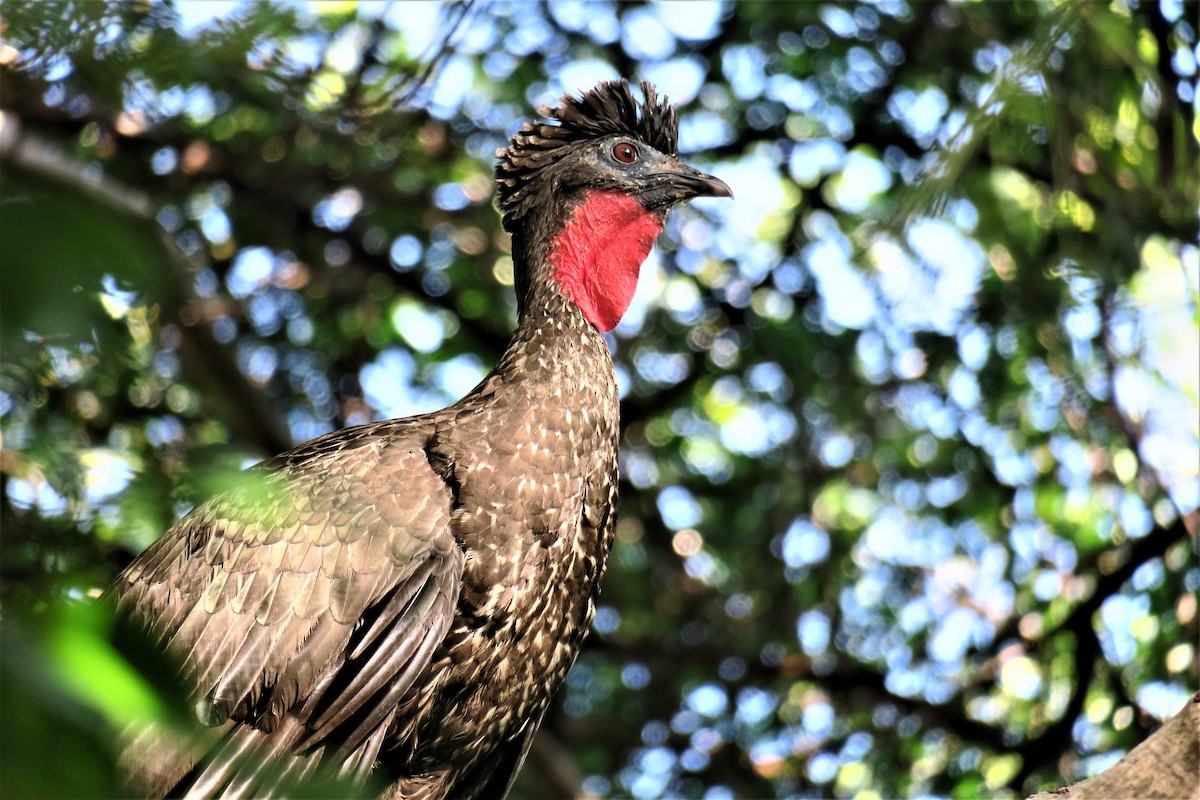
[{"x": 599, "y": 253}]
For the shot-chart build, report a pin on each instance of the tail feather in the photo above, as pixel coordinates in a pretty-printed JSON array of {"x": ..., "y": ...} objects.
[
  {"x": 359, "y": 763},
  {"x": 270, "y": 754},
  {"x": 155, "y": 760},
  {"x": 224, "y": 765},
  {"x": 249, "y": 763}
]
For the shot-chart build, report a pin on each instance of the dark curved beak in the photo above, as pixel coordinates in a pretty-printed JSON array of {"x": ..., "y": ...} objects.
[
  {"x": 700, "y": 184},
  {"x": 675, "y": 182}
]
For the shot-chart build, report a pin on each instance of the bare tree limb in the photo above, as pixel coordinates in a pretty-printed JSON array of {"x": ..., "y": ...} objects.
[{"x": 1166, "y": 765}]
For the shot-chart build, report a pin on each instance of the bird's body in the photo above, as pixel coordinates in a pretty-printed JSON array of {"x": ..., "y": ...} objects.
[{"x": 405, "y": 596}]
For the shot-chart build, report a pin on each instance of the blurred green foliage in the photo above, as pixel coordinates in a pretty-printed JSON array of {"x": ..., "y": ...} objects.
[{"x": 910, "y": 429}]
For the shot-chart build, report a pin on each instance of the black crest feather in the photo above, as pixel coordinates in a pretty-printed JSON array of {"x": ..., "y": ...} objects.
[{"x": 607, "y": 110}]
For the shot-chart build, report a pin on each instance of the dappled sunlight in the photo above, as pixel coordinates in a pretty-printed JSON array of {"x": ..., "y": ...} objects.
[{"x": 910, "y": 427}]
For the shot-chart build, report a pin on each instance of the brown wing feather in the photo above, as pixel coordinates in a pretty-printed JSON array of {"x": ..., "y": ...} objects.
[{"x": 307, "y": 611}]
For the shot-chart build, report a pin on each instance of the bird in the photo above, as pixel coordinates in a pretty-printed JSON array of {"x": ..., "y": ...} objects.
[{"x": 401, "y": 599}]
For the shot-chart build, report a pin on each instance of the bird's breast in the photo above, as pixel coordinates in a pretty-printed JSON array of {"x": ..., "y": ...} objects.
[{"x": 534, "y": 559}]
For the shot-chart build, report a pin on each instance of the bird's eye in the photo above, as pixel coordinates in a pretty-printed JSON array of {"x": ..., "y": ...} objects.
[{"x": 625, "y": 153}]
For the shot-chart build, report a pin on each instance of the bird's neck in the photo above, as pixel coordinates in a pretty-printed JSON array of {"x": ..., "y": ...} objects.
[{"x": 596, "y": 254}]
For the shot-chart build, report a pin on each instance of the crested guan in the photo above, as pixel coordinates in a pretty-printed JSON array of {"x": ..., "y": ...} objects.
[{"x": 404, "y": 597}]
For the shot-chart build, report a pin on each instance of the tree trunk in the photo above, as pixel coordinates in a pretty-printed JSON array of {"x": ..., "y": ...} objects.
[{"x": 1166, "y": 765}]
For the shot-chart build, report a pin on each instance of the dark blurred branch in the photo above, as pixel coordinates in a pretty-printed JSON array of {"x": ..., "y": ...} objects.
[
  {"x": 212, "y": 368},
  {"x": 376, "y": 30},
  {"x": 855, "y": 683},
  {"x": 1167, "y": 79},
  {"x": 459, "y": 13},
  {"x": 278, "y": 189},
  {"x": 860, "y": 685},
  {"x": 1128, "y": 429},
  {"x": 554, "y": 762},
  {"x": 207, "y": 364},
  {"x": 1152, "y": 545},
  {"x": 30, "y": 152},
  {"x": 1058, "y": 738}
]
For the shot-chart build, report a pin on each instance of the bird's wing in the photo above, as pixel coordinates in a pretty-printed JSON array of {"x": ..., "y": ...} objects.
[{"x": 316, "y": 592}]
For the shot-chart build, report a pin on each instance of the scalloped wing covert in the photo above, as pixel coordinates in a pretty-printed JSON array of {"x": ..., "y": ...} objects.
[{"x": 316, "y": 608}]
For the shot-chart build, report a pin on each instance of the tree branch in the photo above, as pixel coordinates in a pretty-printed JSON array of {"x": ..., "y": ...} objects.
[
  {"x": 1165, "y": 765},
  {"x": 207, "y": 364}
]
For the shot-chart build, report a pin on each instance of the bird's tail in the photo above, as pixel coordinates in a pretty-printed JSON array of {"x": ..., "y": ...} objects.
[
  {"x": 250, "y": 762},
  {"x": 231, "y": 762}
]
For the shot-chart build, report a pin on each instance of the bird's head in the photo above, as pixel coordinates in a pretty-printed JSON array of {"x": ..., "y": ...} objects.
[{"x": 592, "y": 185}]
